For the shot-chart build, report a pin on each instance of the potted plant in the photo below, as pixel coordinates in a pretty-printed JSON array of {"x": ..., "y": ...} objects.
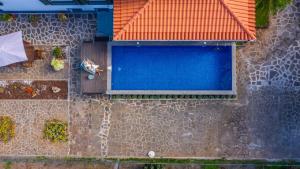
[
  {"x": 62, "y": 17},
  {"x": 33, "y": 19},
  {"x": 57, "y": 52},
  {"x": 57, "y": 62},
  {"x": 7, "y": 17}
]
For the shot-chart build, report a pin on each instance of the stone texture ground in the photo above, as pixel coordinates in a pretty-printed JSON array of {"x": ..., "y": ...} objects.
[
  {"x": 29, "y": 117},
  {"x": 48, "y": 33},
  {"x": 263, "y": 122}
]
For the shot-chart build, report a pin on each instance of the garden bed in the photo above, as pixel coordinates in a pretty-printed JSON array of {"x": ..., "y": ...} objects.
[{"x": 33, "y": 89}]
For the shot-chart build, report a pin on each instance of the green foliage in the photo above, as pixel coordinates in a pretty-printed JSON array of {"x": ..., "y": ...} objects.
[
  {"x": 276, "y": 167},
  {"x": 33, "y": 19},
  {"x": 57, "y": 52},
  {"x": 57, "y": 64},
  {"x": 7, "y": 17},
  {"x": 210, "y": 167},
  {"x": 62, "y": 17},
  {"x": 277, "y": 5},
  {"x": 7, "y": 129},
  {"x": 56, "y": 131},
  {"x": 154, "y": 166},
  {"x": 264, "y": 8},
  {"x": 40, "y": 158},
  {"x": 214, "y": 163},
  {"x": 262, "y": 13},
  {"x": 7, "y": 165}
]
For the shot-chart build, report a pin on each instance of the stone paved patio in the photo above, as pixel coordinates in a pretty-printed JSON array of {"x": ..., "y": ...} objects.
[
  {"x": 29, "y": 117},
  {"x": 262, "y": 123},
  {"x": 40, "y": 70},
  {"x": 49, "y": 32}
]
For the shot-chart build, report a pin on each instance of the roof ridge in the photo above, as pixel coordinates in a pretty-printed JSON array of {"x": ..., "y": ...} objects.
[
  {"x": 236, "y": 19},
  {"x": 133, "y": 18}
]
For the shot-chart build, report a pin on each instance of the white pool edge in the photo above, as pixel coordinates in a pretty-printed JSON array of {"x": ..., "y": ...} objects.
[{"x": 168, "y": 92}]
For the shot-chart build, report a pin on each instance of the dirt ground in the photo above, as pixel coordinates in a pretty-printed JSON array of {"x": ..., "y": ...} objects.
[{"x": 34, "y": 90}]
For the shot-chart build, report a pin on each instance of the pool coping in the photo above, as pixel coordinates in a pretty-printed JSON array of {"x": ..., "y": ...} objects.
[{"x": 169, "y": 92}]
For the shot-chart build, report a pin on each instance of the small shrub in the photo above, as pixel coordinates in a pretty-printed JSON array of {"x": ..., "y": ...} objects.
[
  {"x": 7, "y": 17},
  {"x": 33, "y": 19},
  {"x": 7, "y": 165},
  {"x": 40, "y": 159},
  {"x": 154, "y": 166},
  {"x": 7, "y": 129},
  {"x": 57, "y": 53},
  {"x": 57, "y": 64},
  {"x": 56, "y": 131},
  {"x": 62, "y": 17}
]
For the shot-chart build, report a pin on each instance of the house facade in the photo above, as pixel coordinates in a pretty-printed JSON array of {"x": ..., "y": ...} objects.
[{"x": 42, "y": 6}]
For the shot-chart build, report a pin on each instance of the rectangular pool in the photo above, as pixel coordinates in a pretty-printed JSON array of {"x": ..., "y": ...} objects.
[{"x": 171, "y": 69}]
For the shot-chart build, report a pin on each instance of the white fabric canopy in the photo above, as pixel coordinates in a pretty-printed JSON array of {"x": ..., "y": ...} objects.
[{"x": 12, "y": 49}]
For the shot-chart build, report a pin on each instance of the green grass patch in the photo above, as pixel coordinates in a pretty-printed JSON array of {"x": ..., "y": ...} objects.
[
  {"x": 266, "y": 8},
  {"x": 262, "y": 13},
  {"x": 162, "y": 163},
  {"x": 277, "y": 5},
  {"x": 7, "y": 165},
  {"x": 215, "y": 162},
  {"x": 210, "y": 167}
]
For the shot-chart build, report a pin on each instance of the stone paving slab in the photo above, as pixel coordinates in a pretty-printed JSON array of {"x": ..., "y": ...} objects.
[
  {"x": 85, "y": 127},
  {"x": 263, "y": 128},
  {"x": 176, "y": 129},
  {"x": 274, "y": 124},
  {"x": 30, "y": 117}
]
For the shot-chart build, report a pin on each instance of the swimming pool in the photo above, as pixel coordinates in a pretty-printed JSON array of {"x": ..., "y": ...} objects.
[{"x": 171, "y": 69}]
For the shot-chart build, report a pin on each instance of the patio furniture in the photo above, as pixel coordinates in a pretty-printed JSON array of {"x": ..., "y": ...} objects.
[
  {"x": 12, "y": 49},
  {"x": 96, "y": 52},
  {"x": 31, "y": 54}
]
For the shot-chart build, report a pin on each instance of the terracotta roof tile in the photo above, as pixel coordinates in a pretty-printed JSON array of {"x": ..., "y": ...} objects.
[{"x": 184, "y": 20}]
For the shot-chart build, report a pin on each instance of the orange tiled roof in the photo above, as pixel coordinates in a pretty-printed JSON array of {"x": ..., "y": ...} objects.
[{"x": 184, "y": 20}]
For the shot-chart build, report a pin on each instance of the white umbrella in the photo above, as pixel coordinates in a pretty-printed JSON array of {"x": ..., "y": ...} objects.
[{"x": 12, "y": 49}]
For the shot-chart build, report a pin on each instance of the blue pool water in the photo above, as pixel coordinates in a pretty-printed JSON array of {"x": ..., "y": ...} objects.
[{"x": 171, "y": 68}]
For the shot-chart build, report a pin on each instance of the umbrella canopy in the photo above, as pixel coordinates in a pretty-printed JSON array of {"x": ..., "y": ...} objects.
[{"x": 12, "y": 49}]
